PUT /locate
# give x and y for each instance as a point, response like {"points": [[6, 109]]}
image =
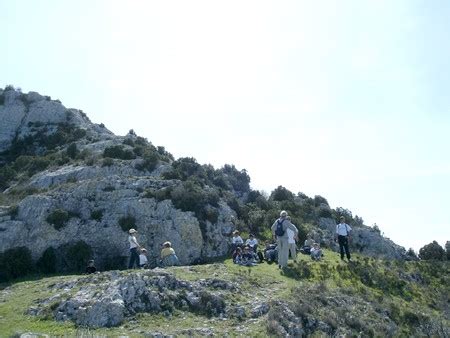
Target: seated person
{"points": [[91, 267], [271, 253], [237, 255], [168, 256], [316, 252], [306, 248], [248, 257], [236, 241], [252, 242], [143, 261]]}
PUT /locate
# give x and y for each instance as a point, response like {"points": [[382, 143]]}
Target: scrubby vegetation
{"points": [[127, 222], [58, 218], [15, 263]]}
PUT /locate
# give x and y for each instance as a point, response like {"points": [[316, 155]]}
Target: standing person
{"points": [[134, 246], [291, 241], [343, 231], [279, 228]]}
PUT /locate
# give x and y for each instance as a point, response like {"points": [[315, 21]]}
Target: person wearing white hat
{"points": [[279, 228], [134, 246]]}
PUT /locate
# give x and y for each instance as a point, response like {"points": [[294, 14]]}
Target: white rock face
{"points": [[117, 197], [19, 111]]}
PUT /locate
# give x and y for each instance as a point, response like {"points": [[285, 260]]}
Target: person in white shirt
{"points": [[143, 261], [252, 242], [236, 241], [134, 246], [343, 231], [291, 242]]}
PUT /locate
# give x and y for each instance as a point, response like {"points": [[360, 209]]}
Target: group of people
{"points": [[138, 254], [286, 234]]}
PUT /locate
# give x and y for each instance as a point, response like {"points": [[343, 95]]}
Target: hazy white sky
{"points": [[345, 99]]}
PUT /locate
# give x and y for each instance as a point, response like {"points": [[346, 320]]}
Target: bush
{"points": [[118, 152], [281, 194], [127, 222], [14, 263], [149, 163], [38, 164], [72, 151], [432, 251], [47, 262], [97, 215], [58, 218], [107, 162], [77, 256]]}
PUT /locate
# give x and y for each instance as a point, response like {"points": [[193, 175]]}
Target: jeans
{"points": [[134, 258], [343, 245]]}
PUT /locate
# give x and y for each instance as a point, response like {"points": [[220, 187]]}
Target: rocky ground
{"points": [[329, 298]]}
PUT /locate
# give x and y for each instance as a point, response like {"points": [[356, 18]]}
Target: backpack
{"points": [[279, 231]]}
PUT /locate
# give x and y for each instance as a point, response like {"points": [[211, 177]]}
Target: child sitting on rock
{"points": [[168, 256], [316, 252], [143, 261], [91, 267]]}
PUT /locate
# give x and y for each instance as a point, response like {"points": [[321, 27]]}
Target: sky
{"points": [[344, 99]]}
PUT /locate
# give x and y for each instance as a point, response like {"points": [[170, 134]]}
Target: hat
{"points": [[283, 213], [132, 231], [167, 243]]}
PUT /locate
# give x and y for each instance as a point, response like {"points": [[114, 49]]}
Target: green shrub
{"points": [[58, 218], [118, 152], [107, 162], [281, 194], [319, 200], [14, 263], [47, 262], [191, 197], [37, 164], [127, 222], [77, 255], [210, 214], [115, 262], [324, 212], [97, 215], [7, 174], [14, 211], [149, 163], [432, 251], [72, 151]]}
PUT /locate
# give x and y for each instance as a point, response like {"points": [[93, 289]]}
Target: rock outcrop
{"points": [[107, 299], [20, 113]]}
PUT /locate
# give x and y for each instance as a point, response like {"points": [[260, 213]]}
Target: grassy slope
{"points": [[267, 283]]}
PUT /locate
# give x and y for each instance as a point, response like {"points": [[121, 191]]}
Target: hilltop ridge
{"points": [[69, 183]]}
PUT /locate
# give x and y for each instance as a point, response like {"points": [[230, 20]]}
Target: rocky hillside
{"points": [[72, 187], [365, 298]]}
